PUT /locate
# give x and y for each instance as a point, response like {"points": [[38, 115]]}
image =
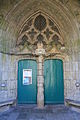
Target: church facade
{"points": [[39, 52]]}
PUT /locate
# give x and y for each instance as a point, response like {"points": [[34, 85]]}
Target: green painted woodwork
{"points": [[53, 82], [27, 93]]}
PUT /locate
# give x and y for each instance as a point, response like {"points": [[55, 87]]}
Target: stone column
{"points": [[40, 51], [40, 83]]}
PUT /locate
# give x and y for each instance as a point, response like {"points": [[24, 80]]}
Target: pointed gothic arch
{"points": [[40, 28]]}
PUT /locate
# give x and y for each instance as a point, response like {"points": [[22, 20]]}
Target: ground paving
{"points": [[24, 112]]}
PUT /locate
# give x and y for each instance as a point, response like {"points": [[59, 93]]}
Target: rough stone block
{"points": [[68, 75], [4, 75], [12, 93], [67, 67], [12, 84], [11, 75], [3, 96], [75, 66]]}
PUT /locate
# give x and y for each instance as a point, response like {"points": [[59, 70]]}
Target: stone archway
{"points": [[41, 36]]}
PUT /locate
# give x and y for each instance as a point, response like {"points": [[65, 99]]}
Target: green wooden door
{"points": [[53, 82], [27, 89]]}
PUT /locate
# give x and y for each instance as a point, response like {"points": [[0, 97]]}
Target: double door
{"points": [[53, 82]]}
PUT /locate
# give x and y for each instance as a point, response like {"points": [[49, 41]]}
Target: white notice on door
{"points": [[27, 76]]}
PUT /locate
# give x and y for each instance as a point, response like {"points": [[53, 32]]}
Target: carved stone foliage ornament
{"points": [[40, 29]]}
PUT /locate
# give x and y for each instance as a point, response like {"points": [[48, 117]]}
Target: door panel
{"points": [[53, 82], [27, 93]]}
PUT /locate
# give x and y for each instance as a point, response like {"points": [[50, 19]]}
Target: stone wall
{"points": [[13, 15], [8, 78], [72, 78]]}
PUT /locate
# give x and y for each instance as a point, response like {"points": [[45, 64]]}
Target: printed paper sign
{"points": [[27, 76]]}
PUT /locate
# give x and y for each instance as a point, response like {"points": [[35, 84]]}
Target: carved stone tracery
{"points": [[40, 29]]}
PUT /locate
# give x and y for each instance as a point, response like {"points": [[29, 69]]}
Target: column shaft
{"points": [[40, 83]]}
